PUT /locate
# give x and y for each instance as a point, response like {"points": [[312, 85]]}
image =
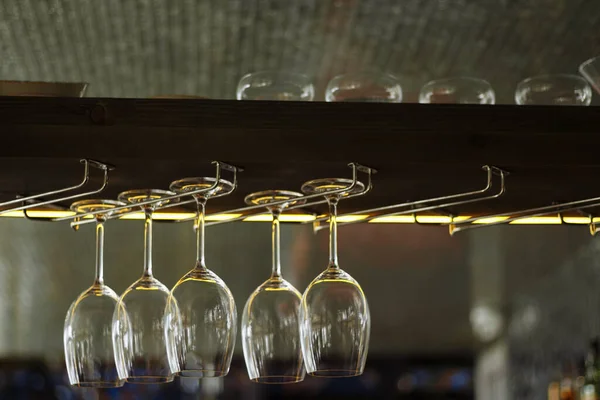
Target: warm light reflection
{"points": [[282, 218], [490, 220], [392, 219], [39, 214], [538, 221]]}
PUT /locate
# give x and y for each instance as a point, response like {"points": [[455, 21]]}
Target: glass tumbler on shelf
{"points": [[139, 327], [590, 69], [458, 90], [335, 318], [560, 89], [367, 86], [275, 85], [271, 321], [87, 337], [202, 316]]}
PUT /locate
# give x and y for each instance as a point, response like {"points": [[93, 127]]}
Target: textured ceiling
{"points": [[141, 48]]}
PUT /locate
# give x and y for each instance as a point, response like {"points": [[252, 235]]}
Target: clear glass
{"points": [[364, 87], [275, 85], [458, 90], [87, 335], [563, 89], [139, 324], [202, 313], [335, 317], [271, 321], [590, 69]]}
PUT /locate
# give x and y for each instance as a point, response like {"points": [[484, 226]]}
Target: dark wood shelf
{"points": [[421, 151]]}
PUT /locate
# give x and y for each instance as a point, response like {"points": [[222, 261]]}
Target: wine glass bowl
{"points": [[368, 86], [334, 313], [139, 324], [270, 321], [202, 314], [275, 85], [560, 89], [590, 69], [89, 352], [457, 90]]}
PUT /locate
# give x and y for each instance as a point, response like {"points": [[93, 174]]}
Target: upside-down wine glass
{"points": [[275, 85], [202, 314], [367, 86], [138, 322], [271, 321], [87, 336], [335, 319], [457, 90], [590, 69], [559, 89]]}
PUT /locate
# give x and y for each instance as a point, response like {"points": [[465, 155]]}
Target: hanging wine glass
{"points": [[275, 85], [590, 69], [369, 86], [87, 337], [335, 319], [138, 321], [560, 89], [270, 322], [202, 314], [458, 90]]}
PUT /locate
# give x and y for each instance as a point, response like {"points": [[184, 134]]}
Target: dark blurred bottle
{"points": [[591, 385]]}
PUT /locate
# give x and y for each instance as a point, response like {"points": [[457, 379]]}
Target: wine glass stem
{"points": [[276, 243], [201, 203], [99, 279], [148, 242], [333, 256]]}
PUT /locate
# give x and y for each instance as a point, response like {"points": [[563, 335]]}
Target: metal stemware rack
{"points": [[491, 190]]}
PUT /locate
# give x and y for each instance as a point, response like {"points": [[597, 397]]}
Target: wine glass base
{"points": [[141, 195], [192, 184], [149, 380], [335, 373], [266, 197], [277, 380], [100, 385], [201, 373], [96, 205], [324, 185]]}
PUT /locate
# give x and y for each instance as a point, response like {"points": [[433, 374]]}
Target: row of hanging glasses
{"points": [[374, 86], [150, 334]]}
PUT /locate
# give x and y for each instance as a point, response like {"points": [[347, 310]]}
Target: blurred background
{"points": [[146, 48], [495, 313]]}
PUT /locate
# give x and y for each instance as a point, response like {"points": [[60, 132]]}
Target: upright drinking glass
{"points": [[561, 89], [590, 69], [87, 335], [364, 87], [275, 85], [335, 319], [139, 319], [202, 314], [458, 90], [271, 322]]}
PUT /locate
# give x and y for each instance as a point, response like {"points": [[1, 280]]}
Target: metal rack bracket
{"points": [[425, 204]]}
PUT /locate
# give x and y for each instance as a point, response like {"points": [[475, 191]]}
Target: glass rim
{"points": [[565, 76], [275, 72], [459, 78], [292, 379], [587, 62], [367, 72]]}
